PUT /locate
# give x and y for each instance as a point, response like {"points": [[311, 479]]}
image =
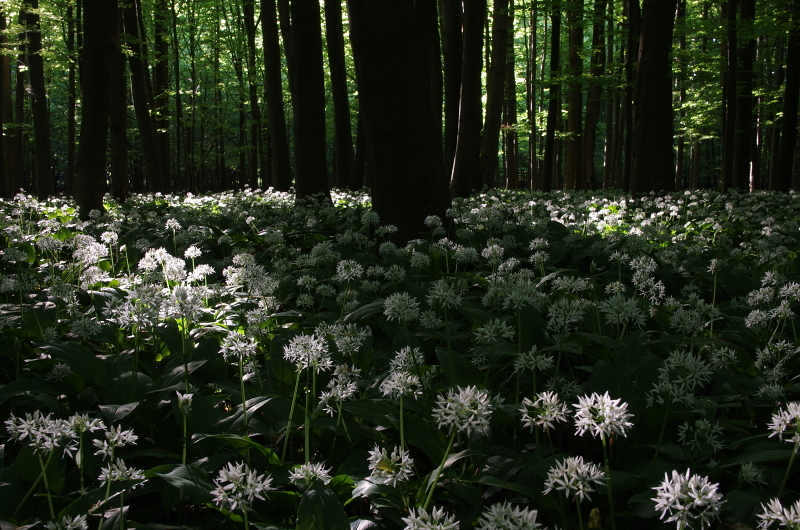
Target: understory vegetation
{"points": [[553, 360]]}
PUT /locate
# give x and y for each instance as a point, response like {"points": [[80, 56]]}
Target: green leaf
{"points": [[321, 510], [774, 455], [238, 443], [27, 386], [82, 360], [365, 311], [457, 369], [114, 413], [192, 481], [375, 411]]}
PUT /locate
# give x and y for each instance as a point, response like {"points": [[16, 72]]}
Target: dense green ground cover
{"points": [[236, 360]]}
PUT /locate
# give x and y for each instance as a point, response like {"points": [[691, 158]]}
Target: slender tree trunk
{"points": [[141, 100], [273, 99], [452, 50], [512, 152], [118, 113], [495, 93], [431, 63], [181, 167], [161, 82], [6, 113], [530, 92], [71, 98], [342, 132], [596, 72], [466, 165], [99, 25], [572, 174], [634, 21], [360, 161], [393, 100], [248, 15], [39, 106], [681, 81], [554, 104], [308, 102], [20, 69], [611, 104], [652, 162], [743, 135], [775, 139], [786, 150], [729, 91]]}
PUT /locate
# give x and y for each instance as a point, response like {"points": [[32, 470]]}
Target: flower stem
{"points": [[46, 485], [660, 439], [788, 469], [291, 416], [244, 397], [439, 470], [608, 487], [33, 486], [580, 516]]}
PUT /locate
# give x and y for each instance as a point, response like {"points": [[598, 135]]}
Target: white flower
{"points": [[601, 415], [42, 433], [237, 486], [58, 372], [401, 306], [436, 520], [114, 438], [401, 384], [390, 468], [308, 351], [774, 512], [308, 473], [573, 476], [544, 411], [76, 523], [237, 346], [493, 331], [504, 516], [467, 409], [533, 360], [184, 402], [118, 471], [686, 498], [787, 423]]}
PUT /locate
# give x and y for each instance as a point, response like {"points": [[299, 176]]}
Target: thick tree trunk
{"points": [[572, 172], [652, 162], [786, 150], [342, 131], [20, 177], [554, 104], [466, 166], [634, 20], [41, 113], [71, 98], [393, 100], [99, 26], [308, 102], [596, 71], [273, 99], [141, 100], [431, 64], [510, 112], [161, 83], [452, 51], [743, 137], [495, 93]]}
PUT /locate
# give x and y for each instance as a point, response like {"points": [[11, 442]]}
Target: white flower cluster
{"points": [[504, 516], [574, 477], [602, 416], [688, 498], [306, 474], [786, 424], [542, 412], [237, 486], [436, 520], [464, 409], [42, 432], [390, 467], [774, 512], [308, 351]]}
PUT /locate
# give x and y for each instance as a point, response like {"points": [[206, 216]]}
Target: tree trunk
{"points": [[39, 107], [71, 98], [431, 63], [273, 99], [572, 172], [554, 104], [6, 114], [729, 91], [681, 82], [634, 21], [248, 15], [743, 137], [596, 72], [791, 94], [20, 180], [161, 83], [652, 163], [141, 100], [512, 150], [466, 166], [452, 51], [495, 93], [99, 26], [308, 102], [530, 93], [342, 132], [393, 101], [118, 113]]}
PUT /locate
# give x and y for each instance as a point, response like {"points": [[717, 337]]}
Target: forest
{"points": [[197, 95]]}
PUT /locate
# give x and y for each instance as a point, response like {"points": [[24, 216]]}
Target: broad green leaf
{"points": [[192, 481], [82, 360], [458, 370], [320, 509]]}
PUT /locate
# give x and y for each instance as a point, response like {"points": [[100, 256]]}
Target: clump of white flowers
{"points": [[464, 409], [688, 498]]}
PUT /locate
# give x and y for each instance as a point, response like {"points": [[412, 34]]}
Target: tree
{"points": [[652, 166], [393, 102], [743, 136], [466, 175], [554, 101], [574, 95], [38, 92], [308, 101], [790, 102], [99, 25], [342, 137], [495, 92]]}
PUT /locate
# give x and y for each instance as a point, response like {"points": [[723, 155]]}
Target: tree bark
{"points": [[495, 93], [466, 175], [342, 131], [308, 102], [6, 114], [248, 16], [791, 95], [41, 113], [71, 98], [118, 113], [652, 163], [161, 83], [273, 99], [510, 112], [729, 94], [99, 25], [634, 20], [743, 137], [393, 97]]}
